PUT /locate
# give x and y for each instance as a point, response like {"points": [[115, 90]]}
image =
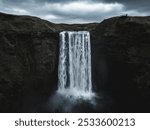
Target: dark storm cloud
{"points": [[72, 11], [142, 5]]}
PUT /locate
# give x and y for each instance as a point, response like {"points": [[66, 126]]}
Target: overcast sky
{"points": [[75, 11]]}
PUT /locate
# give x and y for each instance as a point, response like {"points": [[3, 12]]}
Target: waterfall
{"points": [[74, 70]]}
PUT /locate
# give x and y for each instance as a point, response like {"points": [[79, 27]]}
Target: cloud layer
{"points": [[75, 11]]}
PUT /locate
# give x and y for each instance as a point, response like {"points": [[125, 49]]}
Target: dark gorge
{"points": [[29, 58]]}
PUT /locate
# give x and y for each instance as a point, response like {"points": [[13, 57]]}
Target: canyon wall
{"points": [[29, 50]]}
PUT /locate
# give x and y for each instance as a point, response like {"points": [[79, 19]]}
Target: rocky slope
{"points": [[29, 49]]}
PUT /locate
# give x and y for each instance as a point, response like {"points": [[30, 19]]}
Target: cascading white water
{"points": [[74, 71]]}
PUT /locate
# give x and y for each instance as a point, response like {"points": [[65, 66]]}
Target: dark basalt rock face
{"points": [[28, 53], [121, 64], [29, 50]]}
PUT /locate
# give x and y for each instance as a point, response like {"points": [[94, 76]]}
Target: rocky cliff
{"points": [[29, 50], [121, 64]]}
